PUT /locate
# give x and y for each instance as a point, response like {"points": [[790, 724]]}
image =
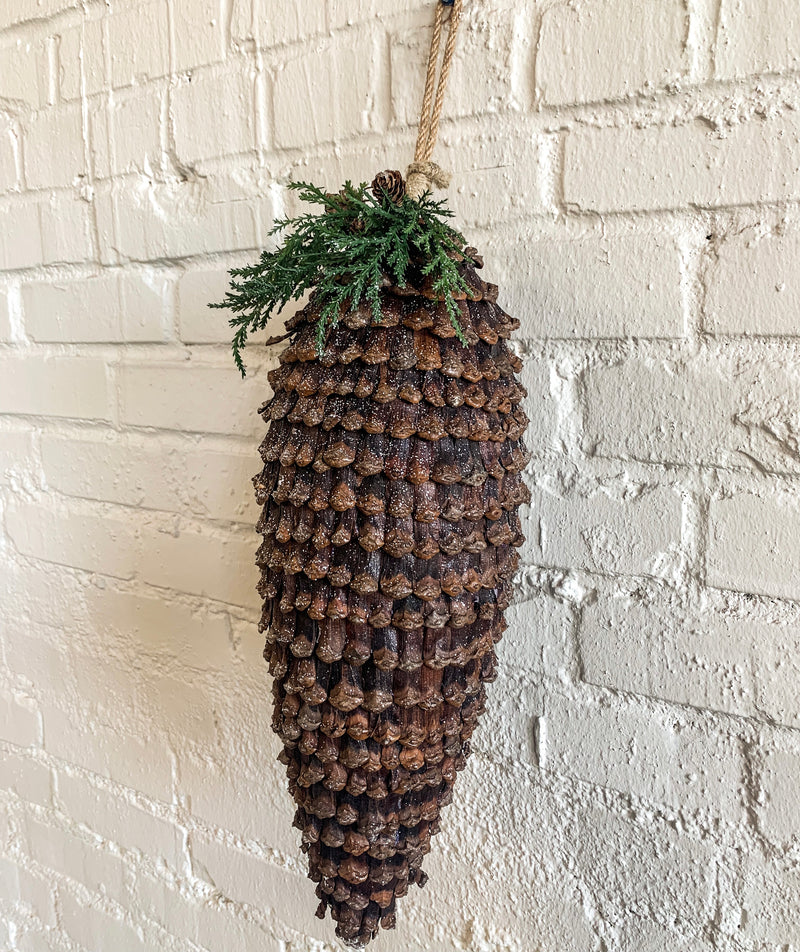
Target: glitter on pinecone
{"points": [[389, 183], [390, 492]]}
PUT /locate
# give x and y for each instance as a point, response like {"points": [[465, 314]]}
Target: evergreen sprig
{"points": [[346, 252]]}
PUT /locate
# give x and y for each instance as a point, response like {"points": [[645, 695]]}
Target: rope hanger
{"points": [[423, 174]]}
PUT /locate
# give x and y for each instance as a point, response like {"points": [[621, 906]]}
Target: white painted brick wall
{"points": [[631, 170]]}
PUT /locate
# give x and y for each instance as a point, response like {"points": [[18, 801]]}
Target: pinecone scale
{"points": [[390, 490]]}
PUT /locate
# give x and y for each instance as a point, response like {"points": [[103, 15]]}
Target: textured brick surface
{"points": [[631, 171], [307, 112], [780, 781], [658, 758], [705, 659], [229, 97], [573, 65], [757, 36], [120, 307], [715, 410], [624, 169], [594, 286], [753, 544], [54, 386], [754, 287]]}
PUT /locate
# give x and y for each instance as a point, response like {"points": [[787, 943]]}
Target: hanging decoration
{"points": [[390, 490]]}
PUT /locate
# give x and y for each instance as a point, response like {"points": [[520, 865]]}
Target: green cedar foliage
{"points": [[347, 252]]}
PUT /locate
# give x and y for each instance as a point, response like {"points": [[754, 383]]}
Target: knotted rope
{"points": [[423, 175]]}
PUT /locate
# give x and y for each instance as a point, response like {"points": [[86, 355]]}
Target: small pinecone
{"points": [[341, 201], [389, 183], [391, 486]]}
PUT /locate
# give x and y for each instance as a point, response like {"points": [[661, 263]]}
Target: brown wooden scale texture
{"points": [[390, 491]]}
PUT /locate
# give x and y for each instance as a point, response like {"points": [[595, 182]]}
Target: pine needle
{"points": [[345, 252]]}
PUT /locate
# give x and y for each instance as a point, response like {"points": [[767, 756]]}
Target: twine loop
{"points": [[423, 175]]}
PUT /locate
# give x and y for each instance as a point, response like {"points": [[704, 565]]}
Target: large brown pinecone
{"points": [[391, 484]]}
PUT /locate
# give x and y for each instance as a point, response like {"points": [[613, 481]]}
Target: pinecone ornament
{"points": [[390, 491], [389, 184]]}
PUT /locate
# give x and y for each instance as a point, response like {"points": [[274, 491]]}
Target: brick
{"points": [[21, 236], [242, 877], [752, 544], [779, 779], [166, 396], [273, 23], [198, 28], [229, 97], [260, 884], [489, 185], [93, 928], [26, 10], [133, 120], [592, 286], [640, 935], [18, 885], [604, 530], [94, 542], [749, 39], [191, 560], [27, 778], [188, 559], [249, 650], [197, 322], [38, 656], [714, 410], [770, 913], [659, 756], [485, 48], [509, 727], [71, 855], [49, 941], [26, 581], [111, 307], [116, 820], [646, 869], [251, 802], [45, 165], [752, 287], [184, 478], [572, 61], [182, 706], [131, 60], [16, 453], [80, 60], [307, 111], [537, 639], [146, 221], [707, 660], [200, 324], [213, 925], [24, 68], [357, 11], [161, 629], [776, 671], [626, 169], [20, 723], [66, 230], [9, 179], [129, 755], [541, 406], [5, 329]]}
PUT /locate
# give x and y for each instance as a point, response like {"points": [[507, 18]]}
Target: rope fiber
{"points": [[423, 174]]}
